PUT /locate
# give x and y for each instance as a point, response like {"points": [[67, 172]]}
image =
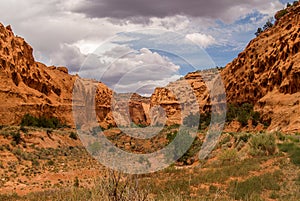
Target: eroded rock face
{"points": [[27, 86], [266, 74], [190, 94]]}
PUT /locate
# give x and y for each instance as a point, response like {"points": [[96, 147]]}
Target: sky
{"points": [[137, 44]]}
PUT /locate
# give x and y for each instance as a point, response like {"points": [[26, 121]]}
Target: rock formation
{"points": [[27, 86], [266, 74]]}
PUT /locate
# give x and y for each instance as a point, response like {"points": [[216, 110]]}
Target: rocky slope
{"points": [[27, 86], [266, 74]]}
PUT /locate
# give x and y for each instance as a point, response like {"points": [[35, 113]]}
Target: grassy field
{"points": [[43, 164]]}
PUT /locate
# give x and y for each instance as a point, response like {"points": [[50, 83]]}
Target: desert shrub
{"points": [[293, 150], [121, 187], [43, 122], [243, 117], [224, 140], [23, 129], [280, 136], [192, 120], [213, 189], [17, 152], [183, 139], [268, 24], [281, 13], [243, 137], [205, 119], [228, 155], [13, 143], [242, 113], [35, 162], [255, 118], [232, 111], [73, 136], [191, 152], [170, 136], [259, 31], [262, 144], [94, 148], [201, 121], [29, 120], [16, 136], [50, 163], [76, 182]]}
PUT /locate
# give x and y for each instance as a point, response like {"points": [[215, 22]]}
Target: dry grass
{"points": [[231, 173]]}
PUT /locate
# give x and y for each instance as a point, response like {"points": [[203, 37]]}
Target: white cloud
{"points": [[203, 40], [124, 69]]}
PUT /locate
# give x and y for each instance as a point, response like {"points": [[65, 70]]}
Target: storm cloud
{"points": [[134, 9], [64, 33]]}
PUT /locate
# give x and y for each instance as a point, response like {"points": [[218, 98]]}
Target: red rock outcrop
{"points": [[27, 86], [266, 74]]}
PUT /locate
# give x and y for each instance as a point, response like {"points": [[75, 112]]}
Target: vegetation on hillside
{"points": [[242, 113], [43, 122], [233, 170], [277, 17]]}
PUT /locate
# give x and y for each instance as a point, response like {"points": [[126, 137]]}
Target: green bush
{"points": [[262, 144], [50, 163], [171, 136], [293, 150], [268, 24], [191, 152], [192, 120], [35, 162], [201, 121], [16, 137], [281, 13], [243, 118], [76, 182], [228, 155], [43, 122], [94, 148], [259, 31], [73, 136], [242, 113]]}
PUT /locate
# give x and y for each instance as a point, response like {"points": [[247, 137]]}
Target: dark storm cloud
{"points": [[159, 8]]}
